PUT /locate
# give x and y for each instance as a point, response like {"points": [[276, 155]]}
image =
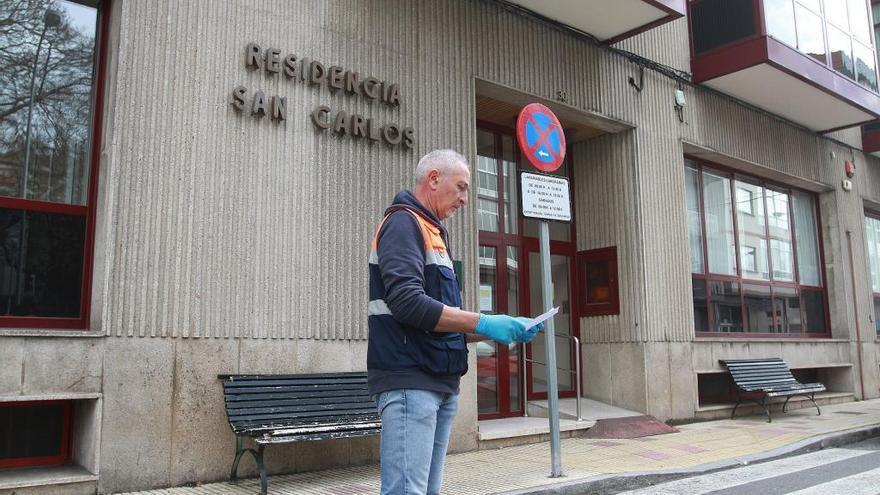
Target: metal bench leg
{"points": [[766, 407], [239, 451], [258, 458], [786, 402], [738, 402], [264, 478], [813, 400]]}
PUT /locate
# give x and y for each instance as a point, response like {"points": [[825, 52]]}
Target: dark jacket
{"points": [[411, 278]]}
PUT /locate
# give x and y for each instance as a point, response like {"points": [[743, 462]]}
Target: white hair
{"points": [[440, 160]]}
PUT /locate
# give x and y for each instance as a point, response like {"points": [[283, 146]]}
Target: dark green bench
{"points": [[765, 379], [296, 408]]}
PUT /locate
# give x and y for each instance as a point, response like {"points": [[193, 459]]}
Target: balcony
{"points": [[794, 58], [610, 24]]}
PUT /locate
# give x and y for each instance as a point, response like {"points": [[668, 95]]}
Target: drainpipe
{"points": [[852, 272]]}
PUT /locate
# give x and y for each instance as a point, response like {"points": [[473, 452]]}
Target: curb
{"points": [[610, 483]]}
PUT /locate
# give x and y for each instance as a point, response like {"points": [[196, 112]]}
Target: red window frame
{"points": [[88, 211], [875, 296], [63, 456], [706, 277], [607, 255]]}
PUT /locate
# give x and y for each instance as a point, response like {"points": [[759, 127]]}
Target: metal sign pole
{"points": [[541, 139], [550, 338]]}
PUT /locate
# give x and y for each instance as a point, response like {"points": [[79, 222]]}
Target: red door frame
{"points": [[524, 246], [500, 241]]}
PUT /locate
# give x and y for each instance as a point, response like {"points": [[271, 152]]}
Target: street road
{"points": [[850, 470]]}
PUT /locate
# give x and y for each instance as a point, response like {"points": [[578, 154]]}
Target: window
{"points": [[763, 273], [598, 273], [34, 433], [872, 235], [745, 200], [835, 32], [750, 259], [48, 159]]}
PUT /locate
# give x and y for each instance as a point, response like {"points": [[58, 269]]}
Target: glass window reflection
{"points": [[859, 20], [752, 231], [508, 164], [759, 310], [695, 227], [835, 32], [726, 306], [487, 182], [865, 64], [779, 17], [806, 238], [811, 39], [840, 49], [719, 223], [47, 55], [701, 306], [777, 235], [835, 12]]}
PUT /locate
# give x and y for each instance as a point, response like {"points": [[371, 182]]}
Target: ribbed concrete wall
{"points": [[605, 185], [255, 233], [221, 225]]}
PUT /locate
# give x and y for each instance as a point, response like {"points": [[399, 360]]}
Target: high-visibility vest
{"points": [[396, 346]]}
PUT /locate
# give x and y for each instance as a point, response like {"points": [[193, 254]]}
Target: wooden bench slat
{"points": [[315, 409], [292, 388], [257, 376], [332, 385], [317, 436], [301, 414], [297, 401], [332, 395]]}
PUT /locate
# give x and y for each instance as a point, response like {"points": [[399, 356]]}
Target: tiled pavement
{"points": [[527, 466]]}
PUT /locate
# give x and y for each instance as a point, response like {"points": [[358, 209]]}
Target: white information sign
{"points": [[546, 197], [486, 298]]}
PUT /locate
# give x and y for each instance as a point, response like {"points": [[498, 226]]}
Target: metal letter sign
{"points": [[540, 137]]}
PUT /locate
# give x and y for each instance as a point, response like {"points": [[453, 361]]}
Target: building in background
{"points": [[190, 188]]}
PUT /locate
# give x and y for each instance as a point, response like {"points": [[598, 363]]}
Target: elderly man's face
{"points": [[450, 190]]}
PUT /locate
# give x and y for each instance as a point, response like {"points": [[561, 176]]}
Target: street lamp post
{"points": [[51, 19]]}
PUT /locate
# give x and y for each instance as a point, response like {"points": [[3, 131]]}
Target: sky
{"points": [[81, 17]]}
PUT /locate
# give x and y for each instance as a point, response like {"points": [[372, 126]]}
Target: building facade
{"points": [[189, 189]]}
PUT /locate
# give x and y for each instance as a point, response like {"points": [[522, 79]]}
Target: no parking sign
{"points": [[540, 137], [545, 197]]}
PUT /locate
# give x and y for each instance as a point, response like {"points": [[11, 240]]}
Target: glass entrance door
{"points": [[510, 279], [564, 326]]}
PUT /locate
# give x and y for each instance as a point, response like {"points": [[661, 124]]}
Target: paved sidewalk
{"points": [[518, 469]]}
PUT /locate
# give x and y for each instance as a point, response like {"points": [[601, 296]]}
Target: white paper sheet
{"points": [[544, 317]]}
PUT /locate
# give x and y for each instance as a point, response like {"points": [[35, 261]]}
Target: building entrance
{"points": [[510, 280]]}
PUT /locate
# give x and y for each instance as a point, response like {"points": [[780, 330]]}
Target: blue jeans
{"points": [[415, 434]]}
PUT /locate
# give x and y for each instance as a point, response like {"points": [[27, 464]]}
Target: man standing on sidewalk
{"points": [[417, 348]]}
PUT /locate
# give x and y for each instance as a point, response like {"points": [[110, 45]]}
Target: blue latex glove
{"points": [[500, 328], [530, 332]]}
